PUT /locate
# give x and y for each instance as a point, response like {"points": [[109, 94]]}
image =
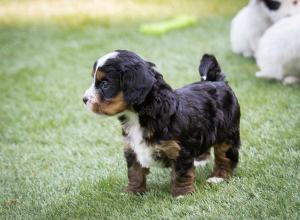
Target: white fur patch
{"points": [[90, 93], [200, 163], [289, 80], [247, 27], [102, 60], [278, 53], [215, 180], [135, 139], [251, 22]]}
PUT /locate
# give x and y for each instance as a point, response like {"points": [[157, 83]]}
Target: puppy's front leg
{"points": [[183, 175], [136, 173]]}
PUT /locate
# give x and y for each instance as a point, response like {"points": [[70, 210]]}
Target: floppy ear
{"points": [[137, 80]]}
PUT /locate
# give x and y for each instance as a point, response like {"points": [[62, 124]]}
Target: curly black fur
{"points": [[198, 115]]}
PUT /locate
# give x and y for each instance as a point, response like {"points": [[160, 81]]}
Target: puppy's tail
{"points": [[209, 69]]}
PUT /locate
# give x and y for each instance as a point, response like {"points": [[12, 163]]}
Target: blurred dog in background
{"points": [[253, 20], [269, 30], [278, 53]]}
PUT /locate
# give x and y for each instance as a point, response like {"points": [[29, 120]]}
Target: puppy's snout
{"points": [[85, 99]]}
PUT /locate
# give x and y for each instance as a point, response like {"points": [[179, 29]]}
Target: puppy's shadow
{"points": [[95, 199], [105, 196]]}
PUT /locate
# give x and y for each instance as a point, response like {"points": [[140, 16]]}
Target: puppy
{"points": [[247, 27], [252, 21], [167, 127], [278, 54]]}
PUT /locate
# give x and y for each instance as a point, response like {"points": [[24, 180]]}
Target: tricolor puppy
{"points": [[163, 126]]}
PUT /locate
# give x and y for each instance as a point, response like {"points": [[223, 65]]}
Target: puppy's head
{"points": [[120, 80], [279, 9]]}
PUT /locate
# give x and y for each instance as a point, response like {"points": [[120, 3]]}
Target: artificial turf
{"points": [[58, 161]]}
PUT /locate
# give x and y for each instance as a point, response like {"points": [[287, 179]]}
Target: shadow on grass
{"points": [[104, 199]]}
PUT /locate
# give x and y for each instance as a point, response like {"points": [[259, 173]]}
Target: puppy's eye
{"points": [[104, 84]]}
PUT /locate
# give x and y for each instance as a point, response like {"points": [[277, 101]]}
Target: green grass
{"points": [[58, 161]]}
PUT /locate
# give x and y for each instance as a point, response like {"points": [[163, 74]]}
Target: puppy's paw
{"points": [[179, 197], [137, 191], [180, 192], [289, 80], [215, 180], [271, 76]]}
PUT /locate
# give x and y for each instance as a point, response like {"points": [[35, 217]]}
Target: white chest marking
{"points": [[135, 139]]}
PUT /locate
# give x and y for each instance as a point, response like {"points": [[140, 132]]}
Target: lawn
{"points": [[59, 161]]}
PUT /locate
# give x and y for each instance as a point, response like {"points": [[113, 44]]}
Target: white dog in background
{"points": [[247, 27], [269, 30], [252, 21], [278, 53]]}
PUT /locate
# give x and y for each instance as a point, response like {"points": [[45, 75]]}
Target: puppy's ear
{"points": [[136, 81]]}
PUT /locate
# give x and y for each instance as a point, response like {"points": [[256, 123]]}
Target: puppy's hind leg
{"points": [[226, 159]]}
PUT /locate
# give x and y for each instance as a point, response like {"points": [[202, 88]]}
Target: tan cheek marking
{"points": [[99, 75], [113, 106]]}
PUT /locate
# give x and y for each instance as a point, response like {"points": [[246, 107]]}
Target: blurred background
{"points": [[59, 161], [106, 13]]}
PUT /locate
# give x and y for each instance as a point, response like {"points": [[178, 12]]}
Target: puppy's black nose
{"points": [[85, 99]]}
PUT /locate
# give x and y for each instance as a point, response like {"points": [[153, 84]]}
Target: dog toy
{"points": [[161, 28]]}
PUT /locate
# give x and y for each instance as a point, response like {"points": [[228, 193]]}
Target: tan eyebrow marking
{"points": [[99, 75]]}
